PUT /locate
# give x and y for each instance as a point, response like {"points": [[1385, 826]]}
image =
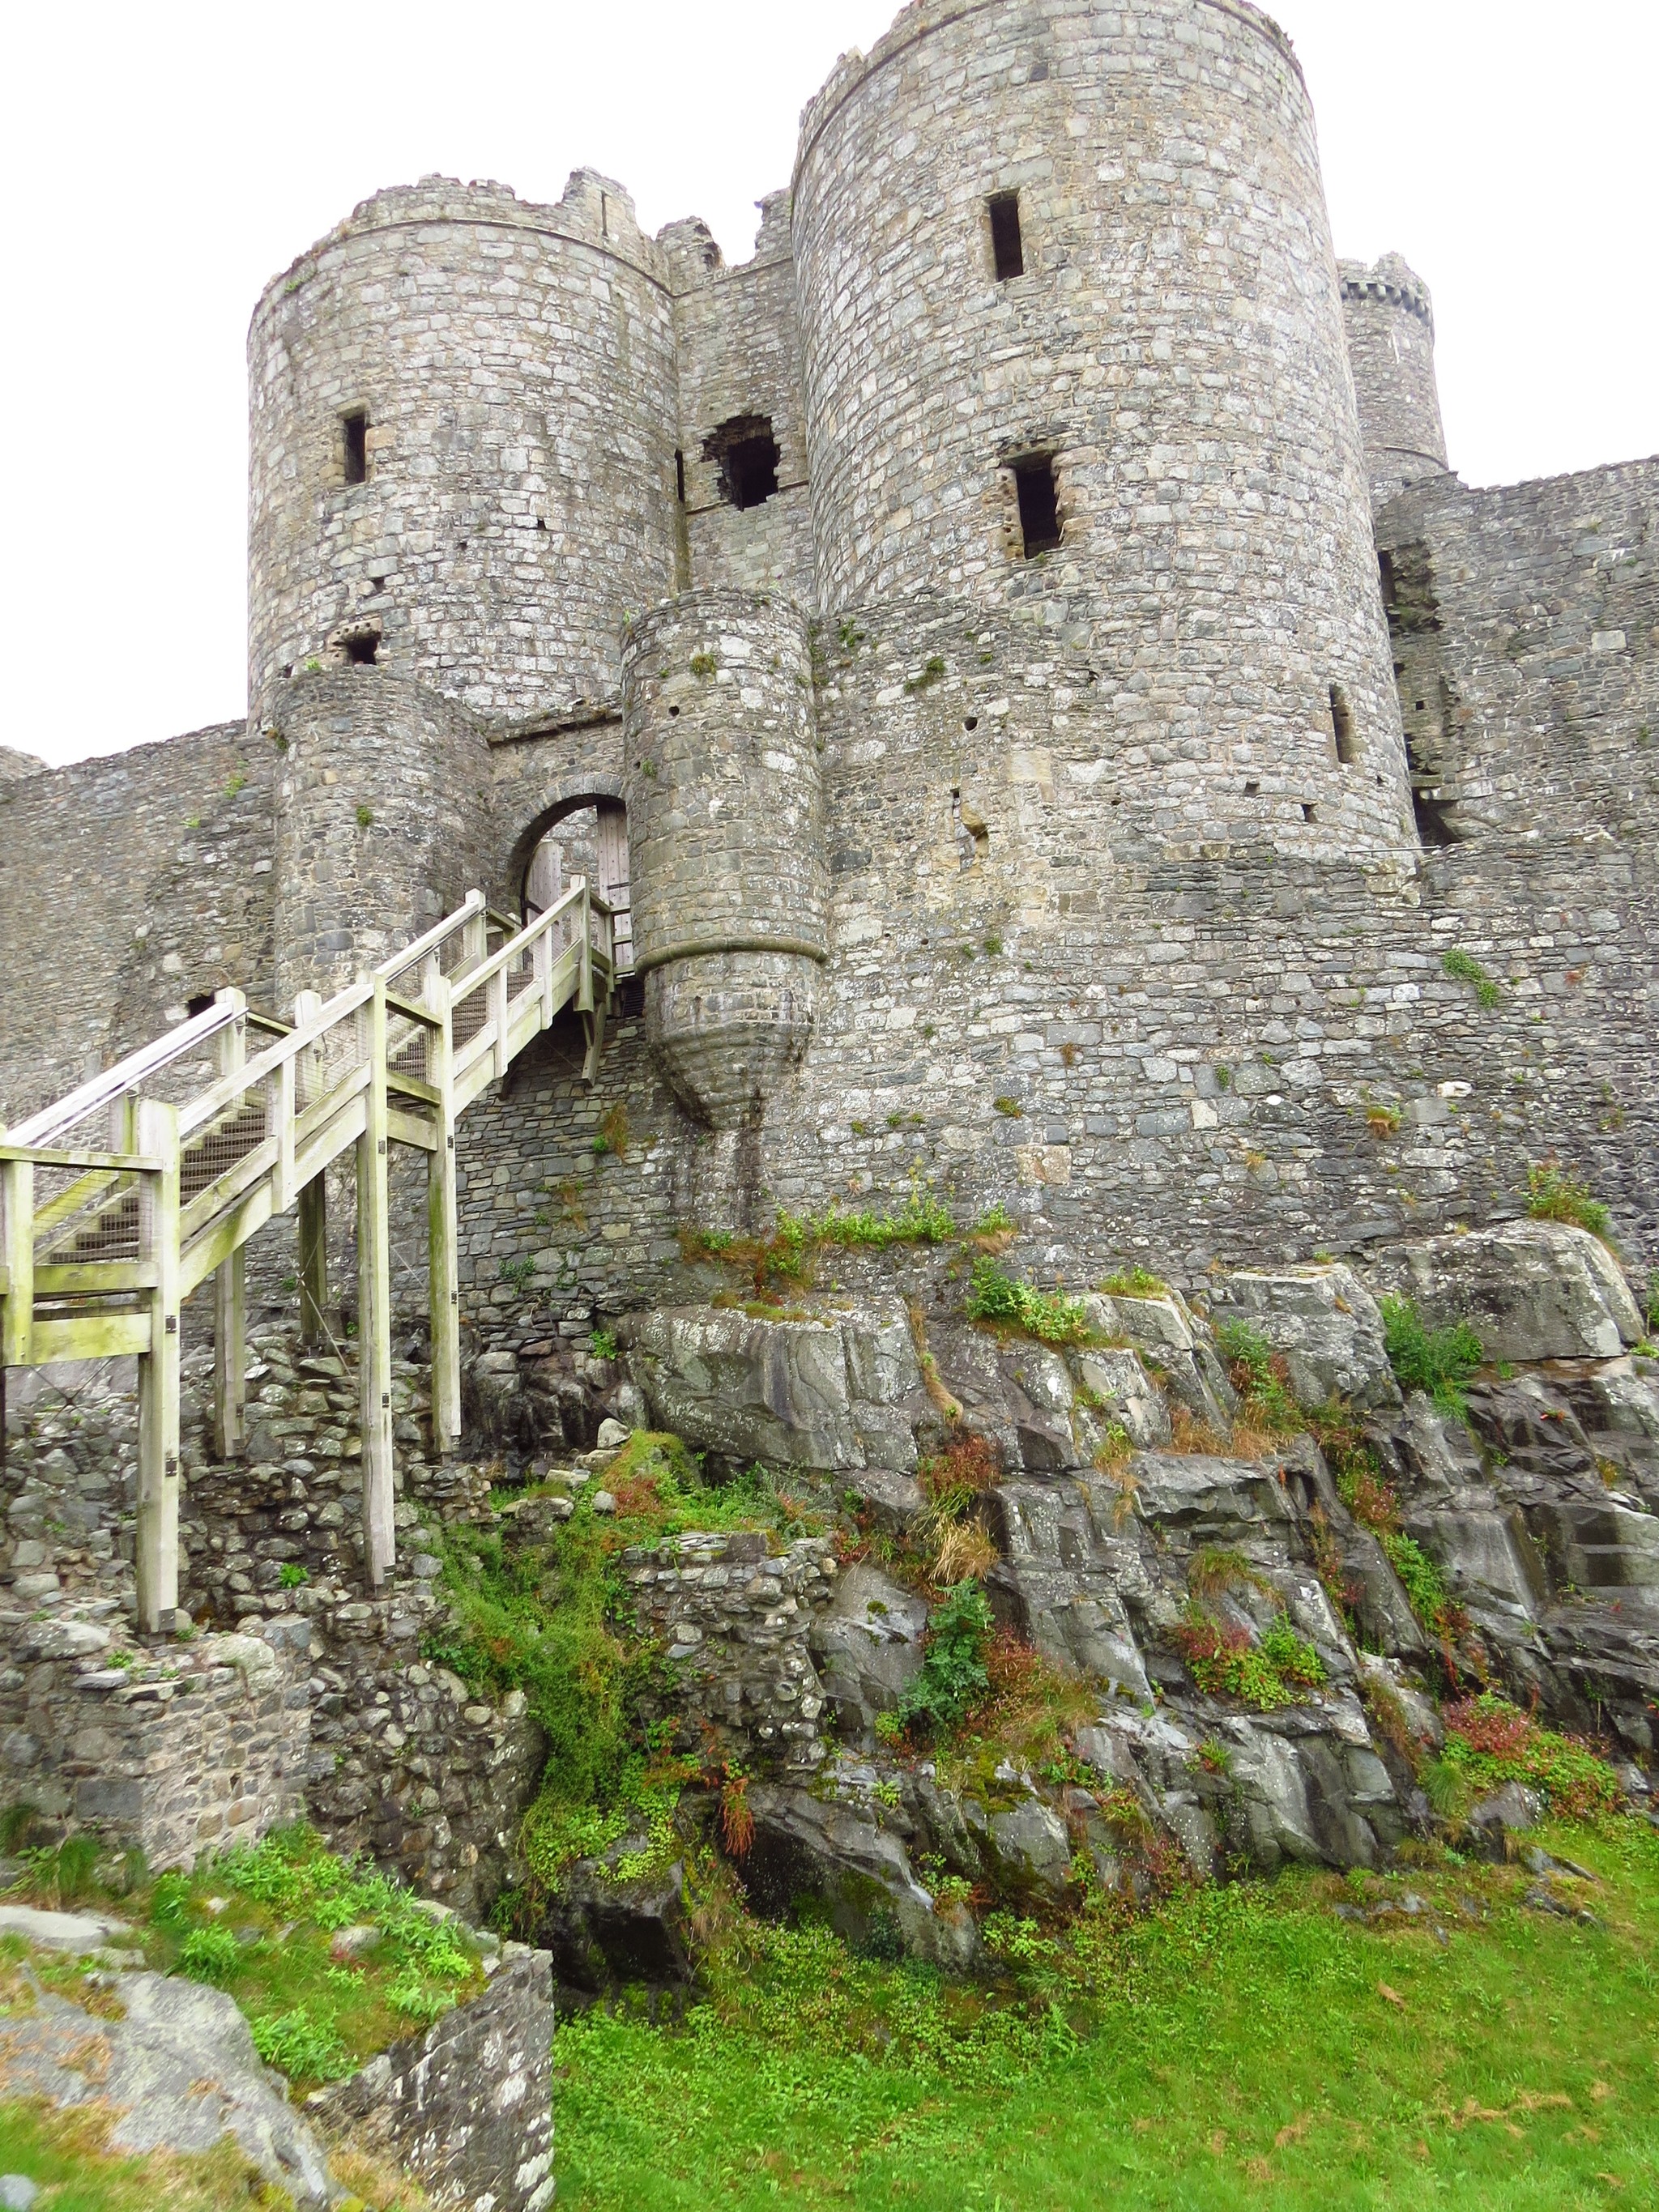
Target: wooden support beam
{"points": [[374, 1298], [158, 1374], [313, 1218], [230, 1284], [444, 1294]]}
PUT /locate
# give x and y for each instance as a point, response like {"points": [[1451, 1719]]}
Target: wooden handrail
{"points": [[126, 1075]]}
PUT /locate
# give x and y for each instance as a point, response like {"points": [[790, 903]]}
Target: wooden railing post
{"points": [[444, 1293], [374, 1297], [157, 1516], [17, 1255], [541, 958], [313, 1225], [230, 1284]]}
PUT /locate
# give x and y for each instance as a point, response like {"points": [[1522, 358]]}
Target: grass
{"points": [[1242, 2051], [259, 1923], [66, 2155], [1466, 969]]}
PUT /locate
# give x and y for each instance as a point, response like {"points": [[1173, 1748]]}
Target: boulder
{"points": [[1324, 1322], [77, 1932], [1531, 1290], [868, 1647], [179, 2071], [1070, 1552], [1131, 1399], [1176, 1347], [830, 1394], [607, 1932], [1508, 1811], [818, 1846]]}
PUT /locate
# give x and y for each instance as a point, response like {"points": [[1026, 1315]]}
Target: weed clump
{"points": [[1224, 1662], [1048, 1316], [1261, 1379], [954, 1677], [1439, 1361], [1466, 969], [1490, 1741], [1135, 1283], [1553, 1194]]}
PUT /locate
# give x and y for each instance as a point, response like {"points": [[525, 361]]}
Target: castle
{"points": [[1014, 651]]}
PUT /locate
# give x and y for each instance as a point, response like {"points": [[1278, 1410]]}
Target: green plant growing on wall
{"points": [[1466, 969], [602, 1343], [364, 817], [931, 670], [704, 665], [1555, 1195], [1050, 1316], [520, 1272], [1135, 1283], [1012, 1106]]}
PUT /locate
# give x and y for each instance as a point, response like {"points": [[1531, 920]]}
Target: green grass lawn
{"points": [[1247, 2047]]}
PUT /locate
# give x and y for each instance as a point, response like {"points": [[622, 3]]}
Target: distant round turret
{"points": [[1072, 345], [1390, 323], [726, 845], [462, 446]]}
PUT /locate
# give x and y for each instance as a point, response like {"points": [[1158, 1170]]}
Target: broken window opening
{"points": [[361, 652], [1435, 819], [745, 452], [1343, 734], [356, 427], [1007, 248], [1039, 504]]}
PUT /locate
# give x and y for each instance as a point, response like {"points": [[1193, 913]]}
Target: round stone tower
{"points": [[462, 444], [1390, 322], [1073, 347], [382, 816], [726, 845]]}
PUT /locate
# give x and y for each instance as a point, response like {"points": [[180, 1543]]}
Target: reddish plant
{"points": [[1500, 1731], [737, 1819], [969, 1463]]}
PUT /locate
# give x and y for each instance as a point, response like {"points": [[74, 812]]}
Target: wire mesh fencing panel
{"points": [[86, 1214]]}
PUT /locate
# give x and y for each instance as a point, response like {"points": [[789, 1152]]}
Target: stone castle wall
{"points": [[1388, 317]]}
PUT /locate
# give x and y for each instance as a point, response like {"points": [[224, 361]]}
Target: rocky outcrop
{"points": [[178, 2071], [1531, 1290], [1325, 1323], [835, 1392]]}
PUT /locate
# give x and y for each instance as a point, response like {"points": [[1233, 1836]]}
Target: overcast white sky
{"points": [[160, 162]]}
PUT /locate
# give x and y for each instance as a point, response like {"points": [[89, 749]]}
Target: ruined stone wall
{"points": [[516, 364], [181, 1755], [14, 764], [739, 355], [1526, 622], [128, 886]]}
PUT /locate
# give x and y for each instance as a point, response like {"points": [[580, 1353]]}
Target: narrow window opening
{"points": [[1039, 504], [1434, 816], [746, 453], [679, 475], [1342, 729], [203, 1003], [1307, 811], [1007, 248], [1251, 790], [361, 652], [356, 427]]}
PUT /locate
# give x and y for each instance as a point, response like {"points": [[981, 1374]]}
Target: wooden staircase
{"points": [[122, 1199]]}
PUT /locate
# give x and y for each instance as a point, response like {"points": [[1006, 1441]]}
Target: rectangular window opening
{"points": [[356, 427], [360, 652], [1342, 729], [1006, 247], [1039, 504], [679, 475]]}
